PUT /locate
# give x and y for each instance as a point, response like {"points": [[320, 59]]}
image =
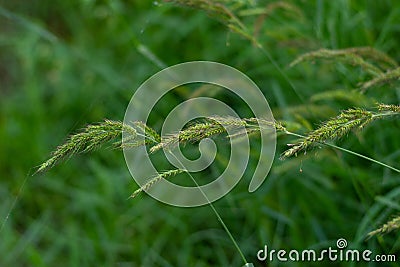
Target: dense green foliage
{"points": [[66, 64]]}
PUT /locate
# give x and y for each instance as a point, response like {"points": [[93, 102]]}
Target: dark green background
{"points": [[64, 64]]}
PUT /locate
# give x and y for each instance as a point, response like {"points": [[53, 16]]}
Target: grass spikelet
{"points": [[220, 12], [148, 132], [254, 125], [151, 137], [213, 8], [391, 225], [228, 121], [388, 77], [337, 127], [267, 123], [381, 58], [332, 129], [191, 134], [392, 108], [233, 123], [346, 56], [156, 179], [213, 125], [90, 138]]}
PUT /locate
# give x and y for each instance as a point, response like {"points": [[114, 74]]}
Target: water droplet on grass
{"points": [[144, 27]]}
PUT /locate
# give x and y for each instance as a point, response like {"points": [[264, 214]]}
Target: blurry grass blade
{"points": [[147, 53], [263, 13], [351, 96], [305, 110], [271, 7], [28, 24]]}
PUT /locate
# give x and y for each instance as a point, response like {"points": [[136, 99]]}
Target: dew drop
{"points": [[144, 27], [227, 41]]}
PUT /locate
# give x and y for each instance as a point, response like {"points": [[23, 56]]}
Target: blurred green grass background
{"points": [[68, 63]]}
